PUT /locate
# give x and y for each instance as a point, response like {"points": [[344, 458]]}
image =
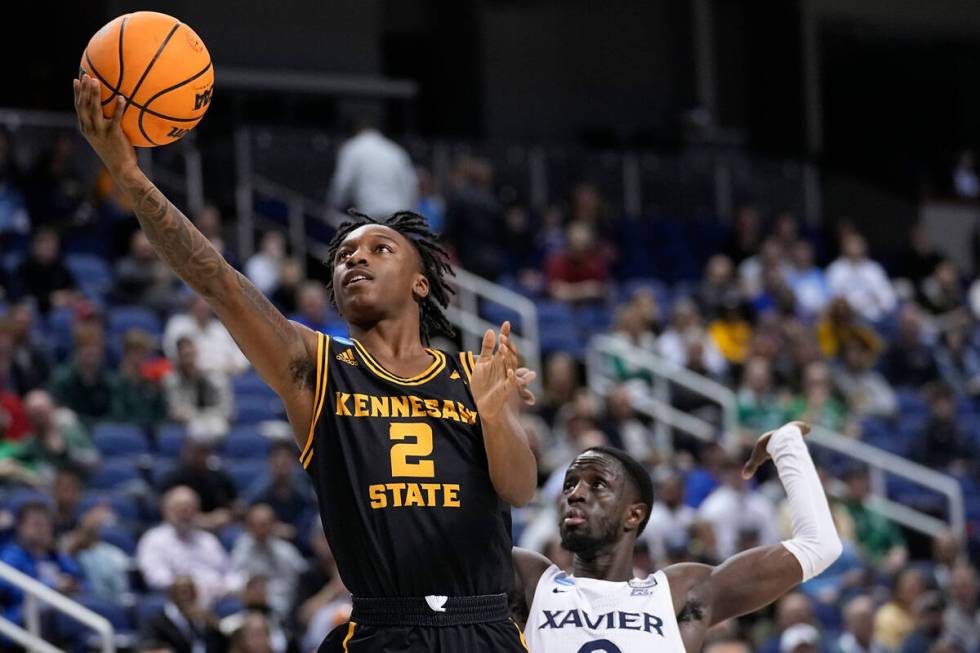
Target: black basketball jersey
{"points": [[402, 479]]}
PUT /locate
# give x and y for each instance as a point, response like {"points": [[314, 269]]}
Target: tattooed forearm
{"points": [[179, 243]]}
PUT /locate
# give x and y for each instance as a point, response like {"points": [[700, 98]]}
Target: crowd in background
{"points": [[803, 324]]}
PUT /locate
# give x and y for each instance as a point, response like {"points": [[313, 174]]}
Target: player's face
{"points": [[376, 275], [594, 503]]}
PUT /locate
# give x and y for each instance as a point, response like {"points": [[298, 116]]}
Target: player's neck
{"points": [[392, 342], [614, 564]]}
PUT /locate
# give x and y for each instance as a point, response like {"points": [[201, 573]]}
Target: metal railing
{"points": [[34, 592], [879, 462]]}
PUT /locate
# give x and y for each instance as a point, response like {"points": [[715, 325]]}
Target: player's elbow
{"points": [[518, 495]]}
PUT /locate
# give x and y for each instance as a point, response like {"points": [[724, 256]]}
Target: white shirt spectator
{"points": [[666, 523], [277, 560], [673, 345], [216, 349], [374, 175], [865, 286], [162, 555], [730, 512]]}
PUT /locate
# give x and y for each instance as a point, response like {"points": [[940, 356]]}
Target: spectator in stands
{"points": [[630, 328], [57, 439], [717, 283], [801, 638], [947, 554], [431, 204], [313, 310], [33, 553], [623, 427], [197, 397], [817, 404], [745, 239], [322, 602], [13, 418], [66, 493], [136, 399], [738, 513], [56, 195], [255, 604], [290, 278], [686, 329], [839, 326], [731, 332], [751, 271], [878, 538], [183, 623], [760, 408], [217, 351], [141, 278], [962, 617], [928, 610], [860, 280], [179, 547], [42, 276], [264, 266], [284, 488], [727, 645], [254, 636], [578, 275], [866, 390], [30, 358], [669, 515], [808, 282], [942, 291], [217, 499], [258, 552], [560, 382], [858, 635], [909, 360], [473, 218], [85, 384], [792, 610], [517, 237], [943, 443], [965, 181], [104, 566], [957, 360], [15, 222], [373, 174], [920, 258]]}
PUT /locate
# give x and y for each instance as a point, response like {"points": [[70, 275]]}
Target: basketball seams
{"points": [[166, 40], [145, 108], [118, 87]]}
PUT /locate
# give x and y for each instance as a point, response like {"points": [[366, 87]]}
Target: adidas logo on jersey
{"points": [[454, 375], [347, 357]]}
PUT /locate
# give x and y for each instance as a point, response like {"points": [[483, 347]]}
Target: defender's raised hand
{"points": [[760, 454], [104, 134]]}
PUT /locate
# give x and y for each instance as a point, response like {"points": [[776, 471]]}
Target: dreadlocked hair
{"points": [[435, 265]]}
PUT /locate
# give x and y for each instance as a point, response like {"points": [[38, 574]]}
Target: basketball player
{"points": [[416, 454], [601, 608]]}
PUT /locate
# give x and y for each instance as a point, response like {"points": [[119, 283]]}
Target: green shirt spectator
{"points": [[85, 385], [135, 398]]}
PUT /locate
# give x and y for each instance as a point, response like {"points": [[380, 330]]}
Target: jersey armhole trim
{"points": [[322, 371], [520, 633], [466, 362], [351, 627]]}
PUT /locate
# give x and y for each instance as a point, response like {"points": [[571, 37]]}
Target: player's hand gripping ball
{"points": [[162, 70]]}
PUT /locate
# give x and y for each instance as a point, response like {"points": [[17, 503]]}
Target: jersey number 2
{"points": [[422, 446]]}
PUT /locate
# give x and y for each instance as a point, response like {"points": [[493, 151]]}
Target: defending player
{"points": [[601, 608], [416, 455]]}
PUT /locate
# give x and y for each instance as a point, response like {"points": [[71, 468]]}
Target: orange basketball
{"points": [[162, 69]]}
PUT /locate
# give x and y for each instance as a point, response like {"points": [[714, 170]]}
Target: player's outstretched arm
{"points": [[528, 567], [498, 389], [276, 347], [746, 582]]}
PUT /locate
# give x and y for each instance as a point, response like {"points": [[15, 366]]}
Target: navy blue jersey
{"points": [[400, 471]]}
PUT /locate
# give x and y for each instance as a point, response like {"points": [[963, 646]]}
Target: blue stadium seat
{"points": [[170, 439], [92, 273], [124, 318], [117, 615], [245, 442], [123, 505], [57, 327], [228, 606], [252, 408], [911, 403], [160, 469], [121, 537], [250, 383], [20, 496], [244, 472], [114, 473], [148, 607], [114, 439], [498, 313], [229, 535]]}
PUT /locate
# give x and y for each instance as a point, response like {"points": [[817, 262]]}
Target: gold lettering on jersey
{"points": [[399, 407], [379, 406], [360, 405], [411, 495], [342, 408]]}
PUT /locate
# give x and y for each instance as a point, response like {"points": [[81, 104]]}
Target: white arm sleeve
{"points": [[815, 541]]}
